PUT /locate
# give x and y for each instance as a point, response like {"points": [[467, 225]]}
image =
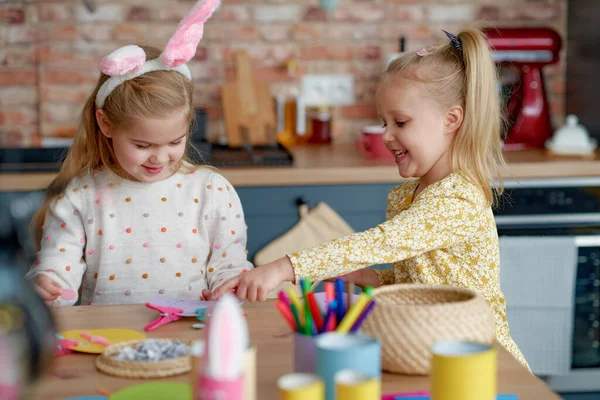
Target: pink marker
{"points": [[96, 339]]}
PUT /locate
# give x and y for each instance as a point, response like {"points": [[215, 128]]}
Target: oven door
{"points": [[583, 355]]}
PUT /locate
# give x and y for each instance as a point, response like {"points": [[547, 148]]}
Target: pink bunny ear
{"points": [[182, 45], [123, 61]]}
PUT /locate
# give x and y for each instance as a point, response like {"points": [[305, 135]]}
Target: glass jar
{"points": [[320, 125]]}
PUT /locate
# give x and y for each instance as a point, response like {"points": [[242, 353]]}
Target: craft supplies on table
{"points": [[95, 341], [463, 370], [351, 385], [154, 391], [338, 352], [226, 342], [317, 313], [299, 386], [410, 318], [145, 359]]}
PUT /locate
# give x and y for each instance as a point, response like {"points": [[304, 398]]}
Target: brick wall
{"points": [[49, 49]]}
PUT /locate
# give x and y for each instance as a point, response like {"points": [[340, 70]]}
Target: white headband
{"points": [[129, 62]]}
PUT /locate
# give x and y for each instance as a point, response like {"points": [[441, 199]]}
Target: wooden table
{"points": [[340, 164], [74, 375]]}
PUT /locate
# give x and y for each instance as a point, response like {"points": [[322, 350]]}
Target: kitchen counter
{"points": [[340, 164]]}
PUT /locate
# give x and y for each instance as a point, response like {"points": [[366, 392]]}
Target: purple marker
{"points": [[361, 318], [330, 314]]}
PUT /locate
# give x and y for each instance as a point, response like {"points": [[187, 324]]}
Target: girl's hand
{"points": [[47, 289], [361, 278], [256, 284]]}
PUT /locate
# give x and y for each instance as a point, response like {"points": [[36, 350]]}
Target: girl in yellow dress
{"points": [[441, 110]]}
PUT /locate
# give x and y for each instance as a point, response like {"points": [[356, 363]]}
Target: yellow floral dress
{"points": [[446, 235]]}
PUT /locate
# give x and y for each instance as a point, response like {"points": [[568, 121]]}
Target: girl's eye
{"points": [[142, 146], [384, 125], [175, 143], [400, 124]]}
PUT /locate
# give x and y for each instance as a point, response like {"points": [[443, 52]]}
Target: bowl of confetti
{"points": [[145, 359]]}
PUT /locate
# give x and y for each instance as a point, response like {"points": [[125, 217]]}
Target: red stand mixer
{"points": [[528, 50]]}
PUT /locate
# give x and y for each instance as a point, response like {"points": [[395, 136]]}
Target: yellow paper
{"points": [[351, 385], [301, 387], [465, 371], [113, 335]]}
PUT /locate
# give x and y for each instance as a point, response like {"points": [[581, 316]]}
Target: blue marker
{"points": [[339, 296]]}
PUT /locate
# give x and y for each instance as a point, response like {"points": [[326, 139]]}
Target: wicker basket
{"points": [[108, 364], [410, 318]]}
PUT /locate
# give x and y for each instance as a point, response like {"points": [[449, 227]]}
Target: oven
{"points": [[553, 292]]}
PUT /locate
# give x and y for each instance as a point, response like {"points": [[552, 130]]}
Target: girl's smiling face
{"points": [[418, 131], [148, 150]]}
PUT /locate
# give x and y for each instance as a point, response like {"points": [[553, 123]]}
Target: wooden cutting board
{"points": [[248, 107]]}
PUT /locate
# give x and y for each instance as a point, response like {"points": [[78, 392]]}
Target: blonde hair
{"points": [[151, 95], [468, 78]]}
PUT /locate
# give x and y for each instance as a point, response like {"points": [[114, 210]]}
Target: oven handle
{"points": [[588, 218]]}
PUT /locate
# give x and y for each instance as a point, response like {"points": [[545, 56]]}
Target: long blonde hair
{"points": [[150, 95], [468, 78]]}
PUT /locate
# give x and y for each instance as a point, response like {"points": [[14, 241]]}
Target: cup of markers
{"points": [[310, 314]]}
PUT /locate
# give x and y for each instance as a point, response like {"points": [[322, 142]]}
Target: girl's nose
{"points": [[387, 136]]}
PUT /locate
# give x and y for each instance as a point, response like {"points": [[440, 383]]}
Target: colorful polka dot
{"points": [[95, 276], [85, 187], [97, 201], [110, 185], [201, 272], [178, 274], [68, 268], [211, 270], [194, 260], [112, 247], [61, 197], [128, 230], [62, 249], [224, 254], [75, 190], [228, 188], [223, 218], [112, 277], [146, 215], [230, 205], [220, 189], [164, 199], [37, 262], [90, 251], [233, 232], [145, 276], [128, 199], [81, 240], [246, 251], [180, 214], [112, 215], [75, 212], [127, 292], [179, 245], [48, 237], [163, 229], [161, 291], [89, 303], [230, 266], [179, 185], [146, 244], [90, 221], [100, 232], [128, 261], [194, 230], [209, 187], [237, 242], [63, 225], [162, 259]]}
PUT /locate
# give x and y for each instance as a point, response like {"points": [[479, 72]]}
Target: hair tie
{"points": [[454, 41]]}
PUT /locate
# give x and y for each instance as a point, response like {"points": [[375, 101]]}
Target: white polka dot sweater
{"points": [[124, 242]]}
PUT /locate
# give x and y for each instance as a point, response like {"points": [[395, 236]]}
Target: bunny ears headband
{"points": [[129, 62]]}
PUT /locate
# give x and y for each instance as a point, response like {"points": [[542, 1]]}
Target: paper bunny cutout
{"points": [[129, 61], [226, 344]]}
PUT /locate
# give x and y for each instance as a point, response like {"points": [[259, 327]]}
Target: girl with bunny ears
{"points": [[129, 216], [441, 111]]}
